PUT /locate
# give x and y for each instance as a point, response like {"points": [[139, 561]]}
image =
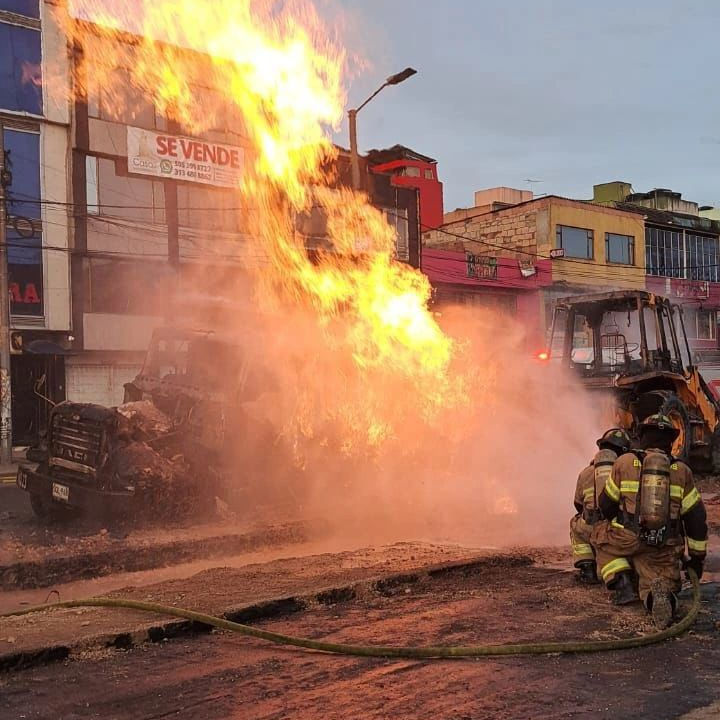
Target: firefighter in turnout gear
{"points": [[655, 510], [590, 484]]}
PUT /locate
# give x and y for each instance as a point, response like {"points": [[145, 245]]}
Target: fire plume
{"points": [[275, 75]]}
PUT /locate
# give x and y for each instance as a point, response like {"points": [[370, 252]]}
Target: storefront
{"points": [[503, 285]]}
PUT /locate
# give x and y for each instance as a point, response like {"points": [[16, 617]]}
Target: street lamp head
{"points": [[399, 77]]}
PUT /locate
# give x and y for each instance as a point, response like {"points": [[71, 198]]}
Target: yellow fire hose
{"points": [[439, 651]]}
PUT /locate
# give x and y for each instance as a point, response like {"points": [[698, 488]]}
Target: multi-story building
{"points": [[412, 170], [150, 227], [520, 253], [35, 121]]}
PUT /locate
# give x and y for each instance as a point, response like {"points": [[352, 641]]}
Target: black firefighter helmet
{"points": [[615, 438], [659, 422]]}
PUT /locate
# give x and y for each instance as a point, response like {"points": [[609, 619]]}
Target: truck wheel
{"points": [[44, 508], [674, 408]]}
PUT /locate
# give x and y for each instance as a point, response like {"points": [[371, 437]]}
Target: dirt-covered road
{"points": [[225, 676]]}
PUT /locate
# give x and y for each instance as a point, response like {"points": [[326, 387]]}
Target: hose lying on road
{"points": [[440, 651]]}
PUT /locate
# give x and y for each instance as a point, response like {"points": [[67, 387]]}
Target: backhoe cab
{"points": [[633, 344]]}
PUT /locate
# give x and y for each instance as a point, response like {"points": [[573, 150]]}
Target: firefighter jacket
{"points": [[687, 516], [585, 488]]}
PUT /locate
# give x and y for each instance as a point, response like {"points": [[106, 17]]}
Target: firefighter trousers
{"points": [[582, 550], [619, 549]]}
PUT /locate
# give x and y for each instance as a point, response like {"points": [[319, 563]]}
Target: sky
{"points": [[569, 92]]}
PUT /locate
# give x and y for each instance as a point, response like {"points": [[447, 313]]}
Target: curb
{"points": [[386, 585], [52, 571]]}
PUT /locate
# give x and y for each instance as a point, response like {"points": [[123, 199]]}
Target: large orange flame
{"points": [[281, 73]]}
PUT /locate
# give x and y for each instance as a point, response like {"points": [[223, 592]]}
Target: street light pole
{"points": [[5, 382], [352, 121]]}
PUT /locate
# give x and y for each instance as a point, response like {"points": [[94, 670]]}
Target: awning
{"points": [[45, 347]]}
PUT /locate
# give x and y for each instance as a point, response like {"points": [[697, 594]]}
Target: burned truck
{"points": [[631, 349], [165, 451]]}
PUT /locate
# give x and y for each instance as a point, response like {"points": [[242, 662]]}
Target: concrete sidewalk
{"points": [[8, 471]]}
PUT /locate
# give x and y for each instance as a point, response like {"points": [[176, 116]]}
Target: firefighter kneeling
{"points": [[655, 508], [590, 484]]}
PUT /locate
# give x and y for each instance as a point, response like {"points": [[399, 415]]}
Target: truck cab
{"points": [[164, 446]]}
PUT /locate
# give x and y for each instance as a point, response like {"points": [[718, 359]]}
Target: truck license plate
{"points": [[60, 492]]}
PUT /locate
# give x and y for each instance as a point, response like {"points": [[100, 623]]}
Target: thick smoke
{"points": [[496, 467], [350, 406]]}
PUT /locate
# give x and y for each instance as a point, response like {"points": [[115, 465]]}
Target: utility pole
{"points": [[5, 389], [354, 155]]}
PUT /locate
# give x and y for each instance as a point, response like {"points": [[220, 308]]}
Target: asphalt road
{"points": [[14, 501]]}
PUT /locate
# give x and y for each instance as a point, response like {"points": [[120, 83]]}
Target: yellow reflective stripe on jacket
{"points": [[677, 491], [699, 546], [629, 486], [616, 524], [588, 493], [614, 566], [689, 501], [611, 489], [582, 549]]}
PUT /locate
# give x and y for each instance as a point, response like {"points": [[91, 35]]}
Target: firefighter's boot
{"points": [[661, 604], [624, 589], [587, 574]]}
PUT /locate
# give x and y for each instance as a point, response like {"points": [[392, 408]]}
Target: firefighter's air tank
{"points": [[654, 491], [603, 465]]}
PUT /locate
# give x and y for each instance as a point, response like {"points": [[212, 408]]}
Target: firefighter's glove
{"points": [[696, 563]]}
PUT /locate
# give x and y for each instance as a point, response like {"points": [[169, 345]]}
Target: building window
{"points": [[576, 242], [24, 231], [664, 253], [118, 99], [208, 208], [706, 324], [20, 69], [411, 171], [672, 253], [28, 8], [429, 175], [702, 257], [116, 195], [128, 287], [620, 249]]}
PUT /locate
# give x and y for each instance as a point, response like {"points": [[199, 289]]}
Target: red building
{"points": [[411, 169], [503, 284]]}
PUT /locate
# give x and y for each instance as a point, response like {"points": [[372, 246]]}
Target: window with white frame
{"points": [[678, 254], [702, 256]]}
